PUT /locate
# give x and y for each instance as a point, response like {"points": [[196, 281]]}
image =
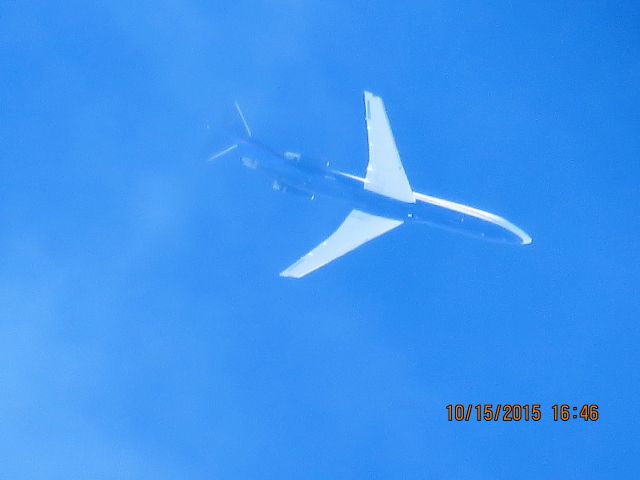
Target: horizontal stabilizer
{"points": [[357, 229], [223, 152], [244, 121]]}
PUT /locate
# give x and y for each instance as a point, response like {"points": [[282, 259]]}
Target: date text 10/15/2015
{"points": [[515, 412]]}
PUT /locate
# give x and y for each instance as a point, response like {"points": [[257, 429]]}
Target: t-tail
{"points": [[245, 135]]}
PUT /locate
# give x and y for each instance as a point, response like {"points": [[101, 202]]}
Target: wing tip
{"points": [[288, 274]]}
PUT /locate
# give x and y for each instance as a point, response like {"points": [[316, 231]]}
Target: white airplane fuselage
{"points": [[379, 202], [293, 173]]}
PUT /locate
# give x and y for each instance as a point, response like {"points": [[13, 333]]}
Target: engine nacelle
{"points": [[249, 163]]}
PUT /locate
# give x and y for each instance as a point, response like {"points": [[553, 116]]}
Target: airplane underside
{"points": [[380, 202]]}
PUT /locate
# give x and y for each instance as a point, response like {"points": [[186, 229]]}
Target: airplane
{"points": [[380, 201]]}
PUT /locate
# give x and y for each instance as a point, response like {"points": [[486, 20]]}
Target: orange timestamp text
{"points": [[516, 412]]}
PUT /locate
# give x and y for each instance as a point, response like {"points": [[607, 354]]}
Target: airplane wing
{"points": [[385, 174], [357, 229]]}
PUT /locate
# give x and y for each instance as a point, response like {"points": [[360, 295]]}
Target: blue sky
{"points": [[144, 331]]}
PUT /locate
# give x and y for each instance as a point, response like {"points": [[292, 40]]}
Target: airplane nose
{"points": [[523, 237]]}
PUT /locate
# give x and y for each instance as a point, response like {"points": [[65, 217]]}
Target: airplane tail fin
{"points": [[237, 137]]}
